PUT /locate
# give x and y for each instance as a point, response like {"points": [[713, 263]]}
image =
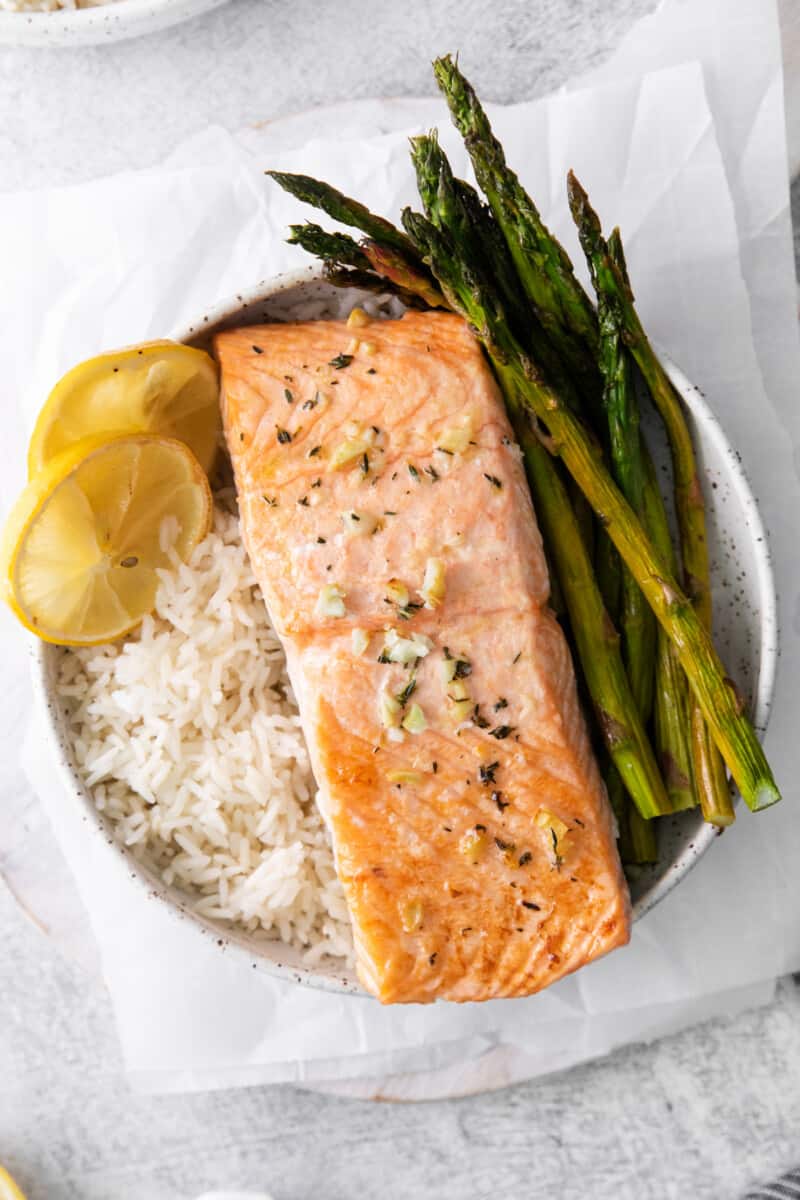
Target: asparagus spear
{"points": [[638, 626], [564, 514], [542, 264], [595, 636], [454, 205], [335, 248], [474, 298], [671, 704], [637, 622], [342, 208], [368, 281], [404, 271], [710, 775]]}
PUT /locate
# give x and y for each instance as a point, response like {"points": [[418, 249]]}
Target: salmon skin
{"points": [[385, 511]]}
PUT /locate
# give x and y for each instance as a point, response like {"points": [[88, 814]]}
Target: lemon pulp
{"points": [[159, 387], [83, 545]]}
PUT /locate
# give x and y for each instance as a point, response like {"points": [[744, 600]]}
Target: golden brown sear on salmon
{"points": [[385, 510]]}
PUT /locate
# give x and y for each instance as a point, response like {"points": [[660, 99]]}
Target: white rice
{"points": [[188, 737]]}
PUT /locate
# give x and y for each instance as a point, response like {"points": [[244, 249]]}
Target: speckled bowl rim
{"points": [[326, 975], [95, 26]]}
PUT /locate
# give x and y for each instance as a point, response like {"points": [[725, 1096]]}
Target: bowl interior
{"points": [[744, 623]]}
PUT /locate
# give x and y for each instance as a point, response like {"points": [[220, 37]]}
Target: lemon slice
{"points": [[158, 387], [9, 1190], [82, 546]]}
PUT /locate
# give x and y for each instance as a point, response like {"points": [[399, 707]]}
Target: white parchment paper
{"points": [[681, 142]]}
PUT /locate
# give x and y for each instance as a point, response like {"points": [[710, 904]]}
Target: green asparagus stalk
{"points": [[690, 510], [338, 249], [596, 639], [543, 266], [609, 573], [638, 625], [454, 205], [671, 703], [342, 208], [474, 298], [642, 837]]}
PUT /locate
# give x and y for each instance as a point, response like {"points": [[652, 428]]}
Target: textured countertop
{"points": [[703, 1114]]}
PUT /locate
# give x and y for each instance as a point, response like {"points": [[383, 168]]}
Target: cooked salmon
{"points": [[385, 510]]}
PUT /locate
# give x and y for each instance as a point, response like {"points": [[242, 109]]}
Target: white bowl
{"points": [[745, 625], [93, 26]]}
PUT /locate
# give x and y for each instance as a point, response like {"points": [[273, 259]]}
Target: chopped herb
{"points": [[283, 435], [466, 929], [446, 652], [404, 696], [354, 516], [309, 404], [502, 804], [501, 732], [272, 501], [304, 501], [442, 450], [579, 822], [241, 437], [383, 657], [334, 383], [257, 350], [314, 451], [375, 430], [525, 858], [463, 668], [516, 659], [289, 378], [447, 828], [504, 846], [531, 905], [501, 703], [413, 472], [341, 361], [477, 719], [432, 958], [317, 483], [321, 541], [131, 561], [365, 463], [486, 772], [388, 513], [434, 767], [556, 855], [288, 396], [371, 371], [406, 612], [493, 480], [480, 829], [434, 474]]}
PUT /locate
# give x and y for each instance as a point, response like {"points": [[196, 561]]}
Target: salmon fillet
{"points": [[386, 514]]}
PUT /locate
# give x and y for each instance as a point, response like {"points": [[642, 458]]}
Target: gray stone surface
{"points": [[71, 114], [699, 1115], [695, 1116]]}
